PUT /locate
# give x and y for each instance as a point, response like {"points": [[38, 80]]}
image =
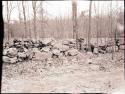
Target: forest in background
{"points": [[41, 26]]}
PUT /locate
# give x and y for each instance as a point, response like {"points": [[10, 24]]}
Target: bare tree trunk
{"points": [[97, 23], [18, 5], [8, 20], [25, 24], [111, 30], [29, 29], [74, 18], [41, 12], [34, 15], [101, 26], [115, 33], [9, 9], [20, 19], [115, 37], [35, 25], [42, 30], [109, 35], [89, 31], [105, 29]]}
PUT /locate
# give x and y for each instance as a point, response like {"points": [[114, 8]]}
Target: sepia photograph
{"points": [[63, 46]]}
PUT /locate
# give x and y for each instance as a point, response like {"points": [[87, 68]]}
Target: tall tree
{"points": [[89, 31], [105, 29], [97, 22], [9, 9], [24, 18], [74, 18], [41, 13], [19, 11], [19, 15], [115, 32], [29, 24], [34, 6], [41, 18], [111, 29]]}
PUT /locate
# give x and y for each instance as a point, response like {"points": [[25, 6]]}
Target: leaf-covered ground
{"points": [[75, 74]]}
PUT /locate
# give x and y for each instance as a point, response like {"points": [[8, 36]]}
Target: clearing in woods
{"points": [[102, 75]]}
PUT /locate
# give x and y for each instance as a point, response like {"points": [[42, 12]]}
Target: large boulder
{"points": [[10, 60], [36, 45], [13, 60], [72, 41], [5, 52], [45, 49], [56, 52], [6, 45], [21, 55], [72, 52], [6, 59], [28, 54], [109, 49], [65, 42], [12, 52], [35, 50], [47, 41], [96, 51], [64, 48], [20, 49], [60, 46]]}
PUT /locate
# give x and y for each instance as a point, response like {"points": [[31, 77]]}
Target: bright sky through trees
{"points": [[64, 8]]}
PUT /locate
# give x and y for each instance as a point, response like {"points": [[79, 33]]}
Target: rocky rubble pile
{"points": [[49, 48], [43, 50]]}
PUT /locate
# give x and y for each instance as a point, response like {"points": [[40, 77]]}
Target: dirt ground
{"points": [[70, 75]]}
